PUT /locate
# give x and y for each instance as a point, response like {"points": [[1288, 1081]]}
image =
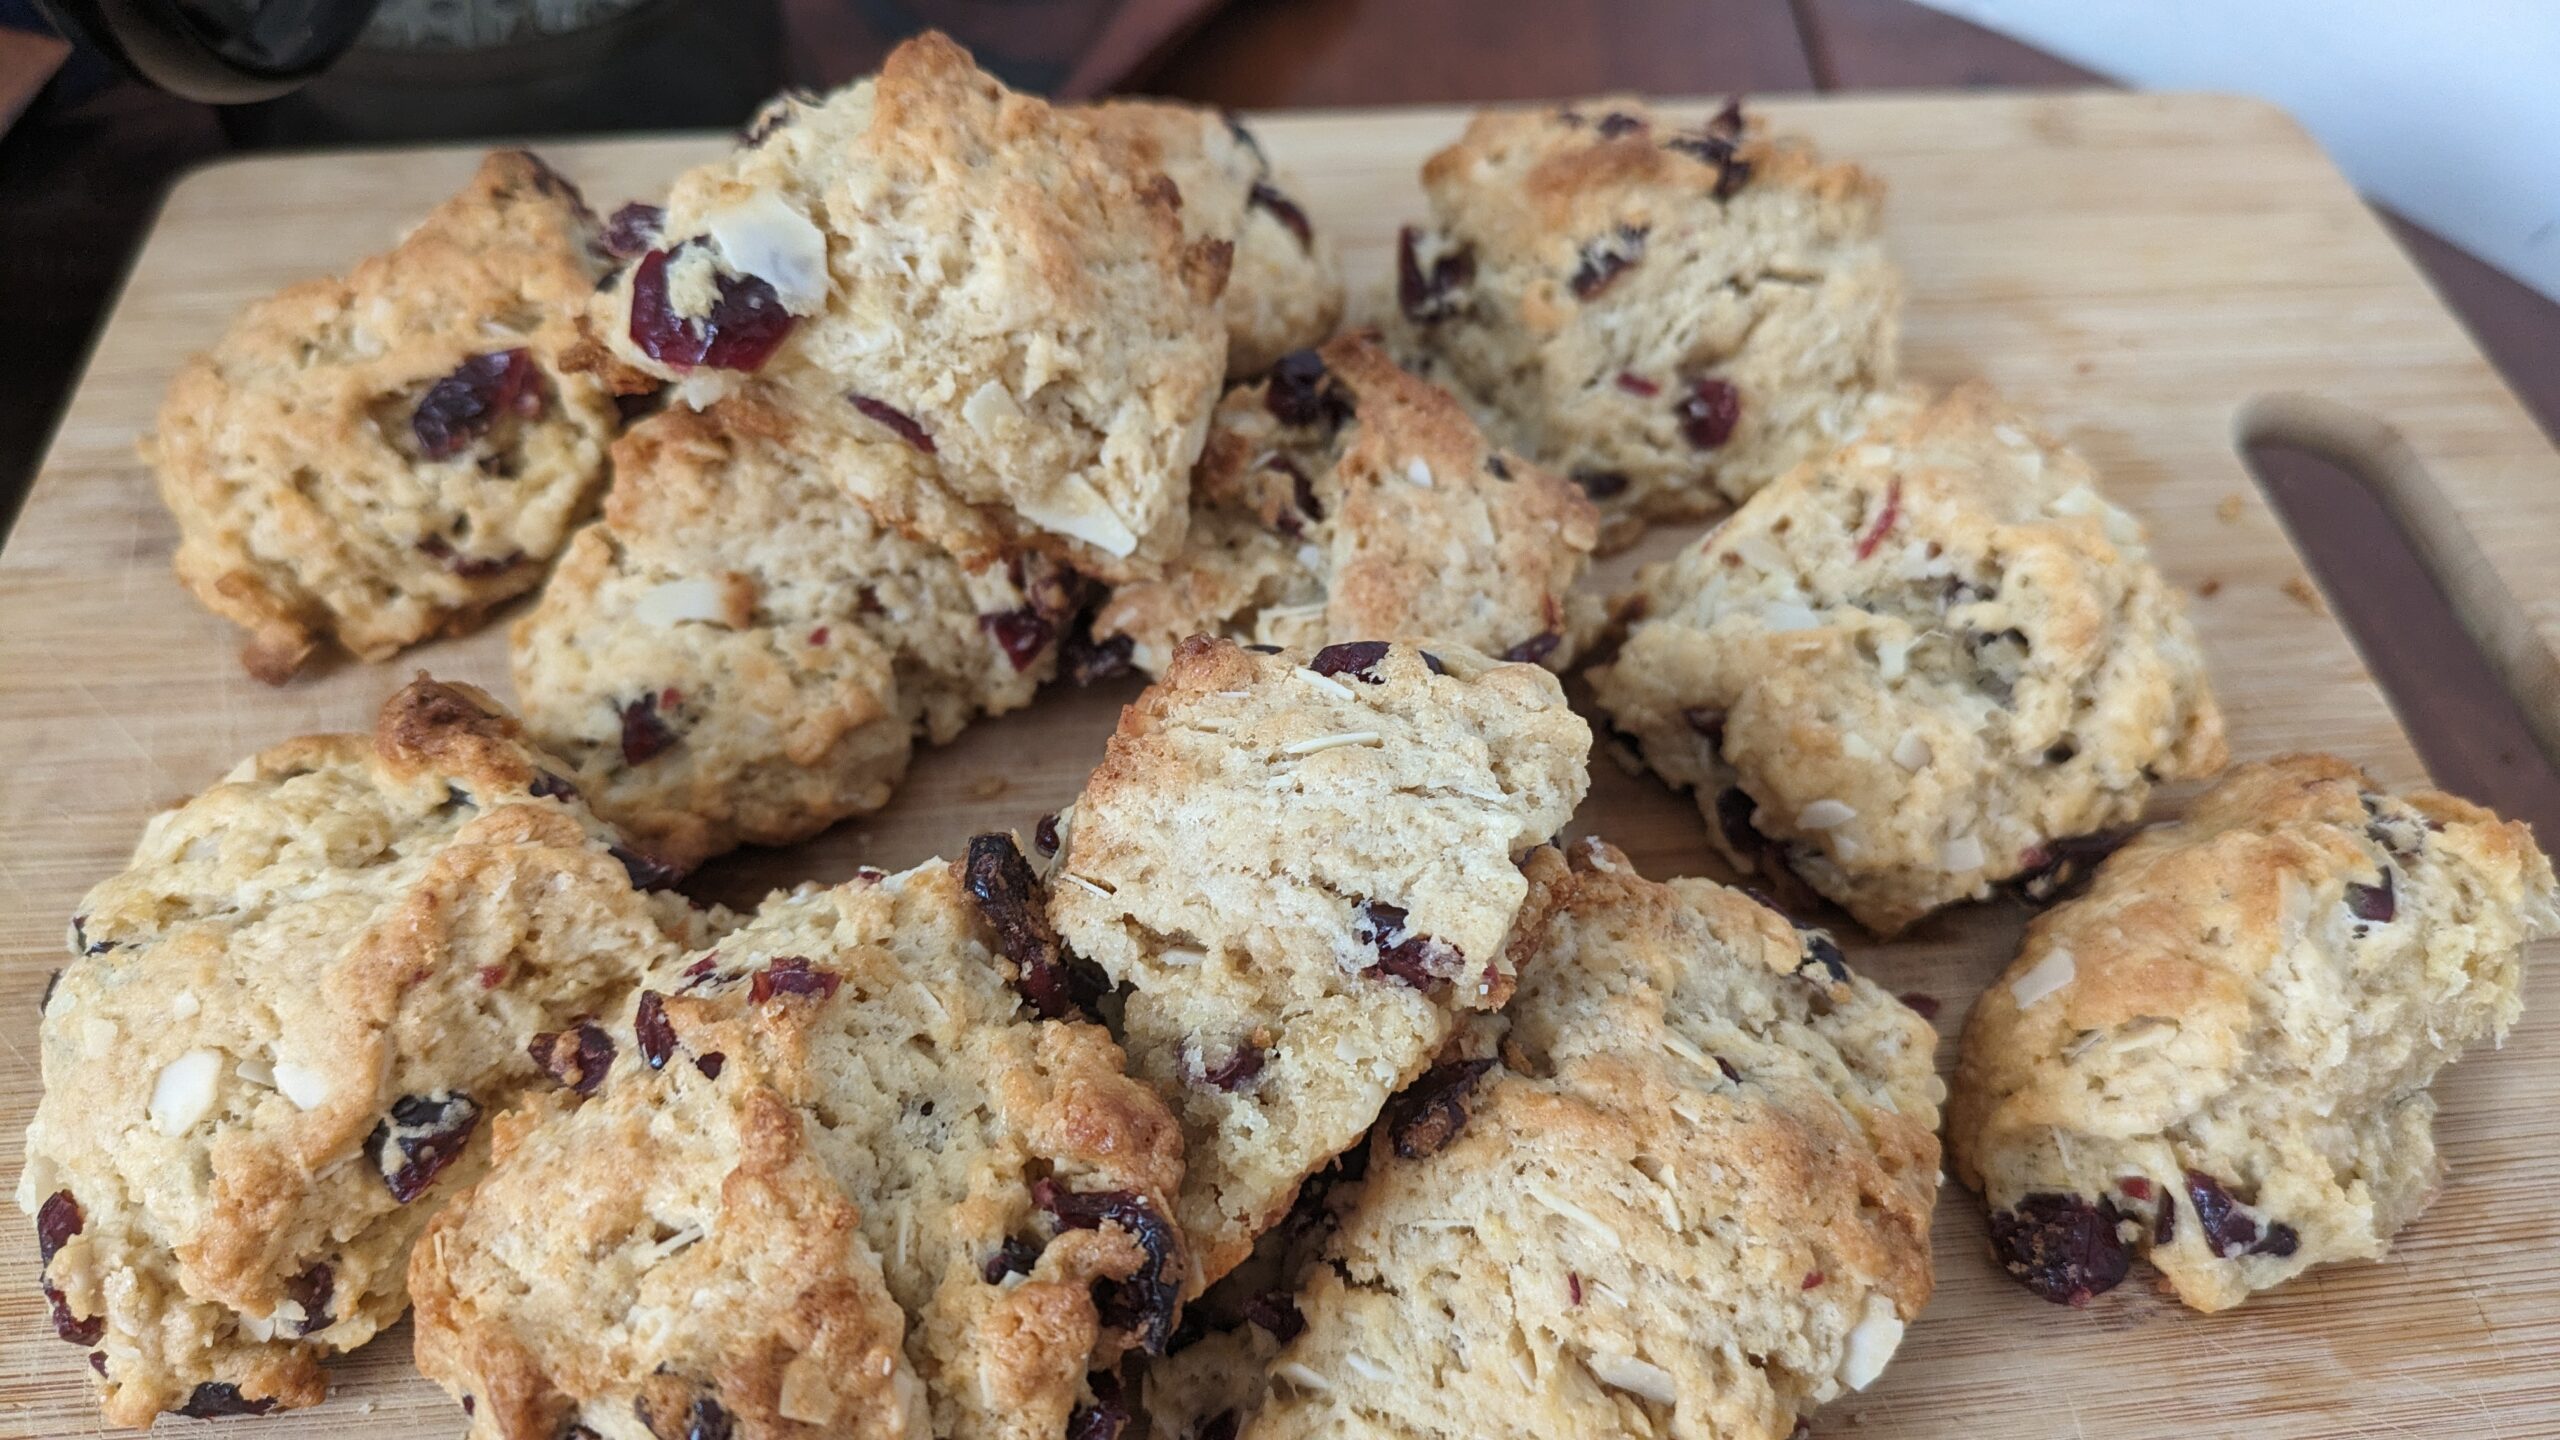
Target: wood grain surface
{"points": [[2157, 275]]}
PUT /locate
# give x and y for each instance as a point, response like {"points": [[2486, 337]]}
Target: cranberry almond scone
{"points": [[267, 1062], [1302, 870], [1689, 1196], [380, 458], [2219, 1056], [1917, 667], [739, 653], [1346, 499], [1672, 316], [837, 1175], [966, 277]]}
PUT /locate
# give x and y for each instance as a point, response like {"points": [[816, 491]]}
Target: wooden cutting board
{"points": [[2155, 274]]}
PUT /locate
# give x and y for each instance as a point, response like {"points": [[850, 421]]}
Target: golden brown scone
{"points": [[2219, 1056], [1690, 1197], [1912, 669], [1345, 499], [838, 1179], [1304, 869], [268, 1059], [1674, 315], [966, 277], [387, 456], [739, 654]]}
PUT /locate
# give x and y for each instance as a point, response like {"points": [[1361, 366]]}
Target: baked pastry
{"points": [[267, 1062], [1908, 671], [965, 277], [837, 1180], [1301, 869], [387, 456], [739, 653], [2219, 1056], [1674, 315], [1284, 287], [1346, 499], [1691, 1196]]}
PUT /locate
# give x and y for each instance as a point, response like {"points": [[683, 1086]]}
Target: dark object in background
{"points": [[224, 52]]}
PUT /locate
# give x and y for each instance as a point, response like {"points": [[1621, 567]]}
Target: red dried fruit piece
{"points": [[1143, 1304], [1277, 1314], [1813, 1280], [1635, 384], [1725, 1067], [1605, 259], [1599, 484], [1407, 954], [1573, 1287], [313, 1290], [793, 975], [631, 230], [1717, 144], [466, 405], [1058, 985], [1301, 392], [1016, 1256], [1022, 634], [1284, 210], [745, 325], [655, 1033], [1709, 412], [1426, 295], [710, 1065], [1534, 649], [1083, 660], [2135, 1187], [1241, 1067], [1884, 520], [898, 422], [421, 1137], [57, 1220], [1044, 835], [2230, 1230], [2374, 904], [1106, 1417], [468, 567], [1355, 658], [547, 786], [645, 734], [576, 1058], [98, 1362], [647, 871], [69, 1327], [2062, 1247], [216, 1398], [1423, 1117]]}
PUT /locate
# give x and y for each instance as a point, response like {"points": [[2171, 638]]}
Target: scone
{"points": [[1672, 315], [739, 653], [1346, 499], [837, 1180], [1691, 1197], [965, 277], [2219, 1056], [1910, 669], [267, 1063], [380, 458], [1300, 870], [1284, 288]]}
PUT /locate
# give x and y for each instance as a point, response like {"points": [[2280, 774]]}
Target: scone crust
{"points": [[307, 508], [1349, 499], [1018, 314], [2257, 995], [314, 977], [1904, 671], [1587, 265]]}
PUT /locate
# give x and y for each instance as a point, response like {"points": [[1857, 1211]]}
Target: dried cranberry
{"points": [[645, 735], [1726, 1068], [71, 1328], [711, 1065], [1044, 835], [422, 1135], [468, 567], [1084, 660], [1813, 1280], [576, 1058], [1016, 1256], [1885, 518], [632, 230], [1407, 954], [1427, 295], [2135, 1187], [1534, 649], [1718, 144], [1573, 1287], [1925, 1006], [1617, 123], [466, 405], [1022, 634], [1433, 663], [1605, 259], [1241, 1067], [1277, 1314], [215, 1398], [1057, 984], [2049, 871], [1143, 1304], [655, 1033], [1284, 210], [647, 871], [98, 1362], [1106, 1417], [2165, 1228], [313, 1290], [745, 325], [1708, 722], [1599, 484], [2229, 1229], [1355, 658], [2062, 1247], [1423, 1117], [793, 975], [57, 1220], [1635, 384], [1301, 392], [898, 422], [1709, 411], [547, 786], [2373, 903]]}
